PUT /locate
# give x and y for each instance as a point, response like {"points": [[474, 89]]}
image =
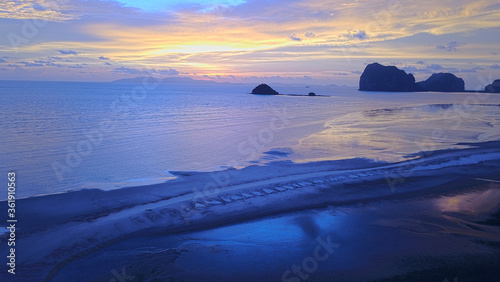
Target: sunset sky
{"points": [[289, 41]]}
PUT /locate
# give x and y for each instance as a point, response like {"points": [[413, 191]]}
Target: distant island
{"points": [[264, 89], [494, 87], [377, 77]]}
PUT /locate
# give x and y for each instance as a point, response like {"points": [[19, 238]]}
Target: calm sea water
{"points": [[62, 136]]}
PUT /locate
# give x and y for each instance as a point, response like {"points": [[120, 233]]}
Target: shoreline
{"points": [[75, 224]]}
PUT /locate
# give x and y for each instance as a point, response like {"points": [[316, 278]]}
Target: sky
{"points": [[288, 41]]}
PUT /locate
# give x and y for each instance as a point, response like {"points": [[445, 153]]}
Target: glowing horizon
{"points": [[323, 42]]}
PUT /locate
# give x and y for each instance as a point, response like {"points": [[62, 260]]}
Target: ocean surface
{"points": [[63, 136]]}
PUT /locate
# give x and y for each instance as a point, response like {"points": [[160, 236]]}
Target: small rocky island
{"points": [[494, 87], [264, 89], [443, 82], [377, 77]]}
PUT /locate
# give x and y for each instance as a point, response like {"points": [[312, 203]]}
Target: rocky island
{"points": [[264, 89], [377, 77], [443, 82], [494, 87]]}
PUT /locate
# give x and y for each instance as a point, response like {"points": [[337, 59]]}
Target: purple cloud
{"points": [[451, 46], [435, 67], [294, 37]]}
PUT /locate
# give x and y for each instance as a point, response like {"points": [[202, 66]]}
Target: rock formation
{"points": [[264, 89], [494, 87], [377, 77], [443, 82]]}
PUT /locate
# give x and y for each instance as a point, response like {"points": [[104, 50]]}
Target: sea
{"points": [[65, 136]]}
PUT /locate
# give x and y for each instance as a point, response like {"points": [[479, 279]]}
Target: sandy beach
{"points": [[69, 229]]}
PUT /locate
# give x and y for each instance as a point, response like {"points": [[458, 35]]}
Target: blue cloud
{"points": [[103, 58], [161, 5], [133, 71], [29, 64], [435, 67], [451, 46], [68, 52], [356, 34], [294, 37]]}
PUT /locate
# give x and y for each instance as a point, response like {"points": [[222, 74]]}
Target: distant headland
{"points": [[377, 77]]}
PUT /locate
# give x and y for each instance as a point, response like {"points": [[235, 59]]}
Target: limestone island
{"points": [[494, 87], [377, 77]]}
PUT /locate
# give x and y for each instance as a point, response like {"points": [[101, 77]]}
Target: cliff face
{"points": [[377, 77], [443, 82]]}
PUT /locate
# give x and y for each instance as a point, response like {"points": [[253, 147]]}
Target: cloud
{"points": [[451, 46], [357, 72], [165, 72], [103, 58], [356, 34], [2, 60], [30, 64], [168, 72], [127, 70], [50, 64], [108, 64], [68, 52], [495, 66], [410, 69], [294, 37], [238, 39], [435, 67], [60, 11]]}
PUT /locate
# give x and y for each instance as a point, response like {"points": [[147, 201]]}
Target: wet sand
{"points": [[257, 222]]}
